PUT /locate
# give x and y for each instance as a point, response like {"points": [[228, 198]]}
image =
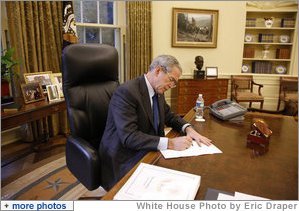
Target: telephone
{"points": [[226, 109]]}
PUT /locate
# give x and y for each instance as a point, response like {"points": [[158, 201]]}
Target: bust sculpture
{"points": [[199, 74], [198, 62]]}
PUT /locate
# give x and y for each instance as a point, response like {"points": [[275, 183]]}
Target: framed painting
{"points": [[32, 92], [44, 78], [194, 28], [56, 78]]}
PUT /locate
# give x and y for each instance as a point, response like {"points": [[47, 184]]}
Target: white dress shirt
{"points": [[163, 143]]}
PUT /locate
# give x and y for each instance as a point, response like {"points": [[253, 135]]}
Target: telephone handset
{"points": [[227, 109]]}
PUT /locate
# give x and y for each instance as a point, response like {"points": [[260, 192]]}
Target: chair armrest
{"points": [[260, 86], [235, 86], [83, 161]]}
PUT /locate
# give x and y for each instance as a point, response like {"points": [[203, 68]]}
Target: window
{"points": [[100, 22]]}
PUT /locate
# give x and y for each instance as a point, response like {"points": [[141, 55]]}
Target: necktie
{"points": [[156, 112]]}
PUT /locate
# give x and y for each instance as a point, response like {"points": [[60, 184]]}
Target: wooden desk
{"points": [[30, 112], [273, 175]]}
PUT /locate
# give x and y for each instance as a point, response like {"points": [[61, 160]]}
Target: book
{"points": [[149, 182], [11, 107]]}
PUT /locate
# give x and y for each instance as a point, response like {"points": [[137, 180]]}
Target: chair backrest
{"points": [[90, 76], [288, 84], [243, 82]]}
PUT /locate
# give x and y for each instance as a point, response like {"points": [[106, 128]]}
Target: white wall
{"points": [[228, 54]]}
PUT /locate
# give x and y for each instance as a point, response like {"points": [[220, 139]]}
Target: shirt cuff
{"points": [[185, 126], [163, 143]]}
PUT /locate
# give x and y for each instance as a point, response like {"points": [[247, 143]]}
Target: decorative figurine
{"points": [[269, 22], [199, 74]]}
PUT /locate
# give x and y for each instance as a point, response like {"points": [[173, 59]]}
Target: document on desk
{"points": [[239, 196], [194, 150], [150, 182]]}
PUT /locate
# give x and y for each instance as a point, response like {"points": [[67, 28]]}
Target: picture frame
{"points": [[53, 93], [44, 78], [32, 92], [211, 72], [194, 28], [56, 78]]}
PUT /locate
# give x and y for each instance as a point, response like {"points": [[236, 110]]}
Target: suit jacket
{"points": [[129, 132]]}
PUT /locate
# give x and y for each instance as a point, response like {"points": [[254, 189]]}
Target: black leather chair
{"points": [[90, 76]]}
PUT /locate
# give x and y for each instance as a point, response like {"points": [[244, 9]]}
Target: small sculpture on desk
{"points": [[199, 74]]}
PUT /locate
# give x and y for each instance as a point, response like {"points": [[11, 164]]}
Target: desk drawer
{"points": [[188, 90], [203, 90], [202, 83]]}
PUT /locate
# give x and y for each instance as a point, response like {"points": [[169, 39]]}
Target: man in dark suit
{"points": [[133, 128]]}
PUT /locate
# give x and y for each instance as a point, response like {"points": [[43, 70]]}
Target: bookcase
{"points": [[268, 42]]}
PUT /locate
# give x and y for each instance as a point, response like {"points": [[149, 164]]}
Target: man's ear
{"points": [[157, 70]]}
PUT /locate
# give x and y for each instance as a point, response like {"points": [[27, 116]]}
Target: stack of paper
{"points": [[194, 150], [151, 182]]}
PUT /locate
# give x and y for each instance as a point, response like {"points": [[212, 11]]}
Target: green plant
{"points": [[7, 64]]}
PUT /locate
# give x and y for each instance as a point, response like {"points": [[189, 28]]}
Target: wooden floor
{"points": [[20, 158]]}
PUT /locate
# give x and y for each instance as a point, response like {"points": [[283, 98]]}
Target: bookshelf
{"points": [[269, 42]]}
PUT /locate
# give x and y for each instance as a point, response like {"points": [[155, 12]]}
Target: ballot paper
{"points": [[194, 150], [149, 182]]}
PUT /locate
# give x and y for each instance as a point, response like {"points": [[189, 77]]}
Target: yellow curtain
{"points": [[139, 38], [35, 29]]}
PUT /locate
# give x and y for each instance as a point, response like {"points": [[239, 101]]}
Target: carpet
{"points": [[52, 181]]}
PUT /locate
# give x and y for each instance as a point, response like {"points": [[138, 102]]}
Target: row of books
{"points": [[282, 53], [261, 67], [287, 22], [250, 22], [248, 52], [265, 38]]}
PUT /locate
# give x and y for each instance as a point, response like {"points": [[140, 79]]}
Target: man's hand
{"points": [[179, 143], [197, 137]]}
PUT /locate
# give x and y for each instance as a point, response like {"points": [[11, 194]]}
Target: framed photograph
{"points": [[194, 28], [44, 78], [53, 92], [56, 78], [32, 92], [212, 72]]}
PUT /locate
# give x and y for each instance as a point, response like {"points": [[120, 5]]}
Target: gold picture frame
{"points": [[56, 78], [194, 28], [32, 92], [44, 78]]}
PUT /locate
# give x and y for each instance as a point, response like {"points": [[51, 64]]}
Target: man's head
{"points": [[164, 73], [199, 62]]}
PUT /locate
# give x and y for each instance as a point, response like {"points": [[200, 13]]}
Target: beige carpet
{"points": [[52, 181]]}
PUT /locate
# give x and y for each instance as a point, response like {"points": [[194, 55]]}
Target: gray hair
{"points": [[166, 61]]}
